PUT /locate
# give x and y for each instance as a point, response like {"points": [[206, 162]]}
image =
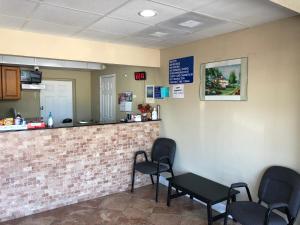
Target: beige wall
{"points": [[123, 83], [29, 105], [59, 47], [237, 141]]}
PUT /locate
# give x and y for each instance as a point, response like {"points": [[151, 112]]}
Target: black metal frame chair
{"points": [[162, 159], [279, 190]]}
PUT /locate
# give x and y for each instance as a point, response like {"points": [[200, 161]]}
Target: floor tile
{"points": [[138, 208]]}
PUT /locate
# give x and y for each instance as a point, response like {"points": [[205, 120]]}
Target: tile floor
{"points": [[124, 208]]}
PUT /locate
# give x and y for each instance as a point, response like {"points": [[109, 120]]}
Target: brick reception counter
{"points": [[46, 169]]}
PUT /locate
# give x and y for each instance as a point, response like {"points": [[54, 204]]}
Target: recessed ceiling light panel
{"points": [[190, 23], [147, 13], [159, 34]]}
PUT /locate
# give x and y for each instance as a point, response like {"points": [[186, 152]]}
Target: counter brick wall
{"points": [[46, 169]]}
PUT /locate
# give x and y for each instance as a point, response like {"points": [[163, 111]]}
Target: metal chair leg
{"points": [[172, 173], [157, 187], [226, 212], [152, 179], [133, 178], [225, 218]]}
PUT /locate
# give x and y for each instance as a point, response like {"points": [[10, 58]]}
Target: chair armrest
{"points": [[232, 187], [239, 185], [140, 153], [273, 206]]}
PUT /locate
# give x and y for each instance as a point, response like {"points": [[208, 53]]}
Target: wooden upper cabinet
{"points": [[11, 86]]}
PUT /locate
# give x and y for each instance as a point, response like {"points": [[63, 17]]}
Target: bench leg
{"points": [[209, 214]]}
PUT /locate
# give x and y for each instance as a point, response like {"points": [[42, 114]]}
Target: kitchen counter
{"points": [[70, 125], [44, 169]]}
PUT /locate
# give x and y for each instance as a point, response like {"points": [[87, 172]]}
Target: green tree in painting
{"points": [[232, 78], [212, 76]]}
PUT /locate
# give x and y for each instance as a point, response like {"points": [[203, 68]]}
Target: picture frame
{"points": [[149, 94], [225, 80]]}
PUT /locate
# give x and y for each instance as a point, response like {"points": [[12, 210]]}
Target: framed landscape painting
{"points": [[224, 80]]}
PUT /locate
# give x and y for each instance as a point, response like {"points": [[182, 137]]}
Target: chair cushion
{"points": [[150, 167], [251, 213]]}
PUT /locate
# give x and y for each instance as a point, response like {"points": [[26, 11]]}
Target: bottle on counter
{"points": [[158, 112], [50, 120], [18, 119], [154, 114]]}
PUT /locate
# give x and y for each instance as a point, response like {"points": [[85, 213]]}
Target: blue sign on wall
{"points": [[181, 71], [157, 92]]}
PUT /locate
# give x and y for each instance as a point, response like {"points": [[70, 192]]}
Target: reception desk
{"points": [[45, 169]]}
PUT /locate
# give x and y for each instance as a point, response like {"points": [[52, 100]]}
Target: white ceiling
{"points": [[118, 20]]}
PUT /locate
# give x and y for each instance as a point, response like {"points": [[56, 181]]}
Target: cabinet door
{"points": [[10, 83]]}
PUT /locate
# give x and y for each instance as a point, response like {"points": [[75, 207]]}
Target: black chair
{"points": [[162, 159], [279, 190]]}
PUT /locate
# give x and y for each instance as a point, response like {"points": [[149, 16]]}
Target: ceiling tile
{"points": [[208, 32], [99, 35], [220, 29], [64, 16], [201, 21], [51, 28], [159, 33], [118, 26], [130, 12], [248, 12], [186, 4], [11, 22], [96, 6], [17, 8]]}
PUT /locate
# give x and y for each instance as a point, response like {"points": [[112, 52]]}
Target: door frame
{"points": [[114, 95], [73, 95]]}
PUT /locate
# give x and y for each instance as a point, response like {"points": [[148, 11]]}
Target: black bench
{"points": [[203, 189]]}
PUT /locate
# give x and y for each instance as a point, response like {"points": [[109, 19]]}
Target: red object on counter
{"points": [[36, 125]]}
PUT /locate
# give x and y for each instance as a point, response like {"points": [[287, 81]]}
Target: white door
{"points": [[57, 98], [108, 98]]}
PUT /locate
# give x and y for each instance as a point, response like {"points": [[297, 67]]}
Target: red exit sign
{"points": [[140, 75]]}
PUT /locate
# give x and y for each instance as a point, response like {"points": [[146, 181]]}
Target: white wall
{"points": [[236, 141]]}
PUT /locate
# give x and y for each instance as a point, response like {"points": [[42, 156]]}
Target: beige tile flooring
{"points": [[124, 208]]}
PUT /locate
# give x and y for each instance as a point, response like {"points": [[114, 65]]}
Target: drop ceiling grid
{"points": [[117, 20]]}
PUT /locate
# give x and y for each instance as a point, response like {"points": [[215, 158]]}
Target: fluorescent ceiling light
{"points": [[190, 23], [159, 34], [290, 4], [148, 13]]}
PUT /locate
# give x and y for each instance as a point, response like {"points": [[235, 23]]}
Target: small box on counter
{"points": [[36, 125], [7, 122]]}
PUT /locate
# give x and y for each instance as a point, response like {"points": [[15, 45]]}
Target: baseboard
{"points": [[220, 207]]}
